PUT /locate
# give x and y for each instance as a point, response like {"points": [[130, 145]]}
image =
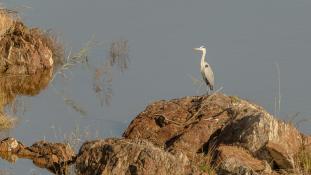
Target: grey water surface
{"points": [[246, 39]]}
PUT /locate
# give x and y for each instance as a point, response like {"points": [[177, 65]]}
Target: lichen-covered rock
{"points": [[128, 156]]}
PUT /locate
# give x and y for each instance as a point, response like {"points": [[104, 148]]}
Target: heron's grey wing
{"points": [[208, 72]]}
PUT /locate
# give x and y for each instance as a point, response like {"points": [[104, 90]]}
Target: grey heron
{"points": [[206, 70]]}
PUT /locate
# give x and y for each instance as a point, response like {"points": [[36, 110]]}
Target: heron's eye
{"points": [[206, 65]]}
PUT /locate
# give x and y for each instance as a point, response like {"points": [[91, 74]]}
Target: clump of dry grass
{"points": [[7, 18], [206, 165], [67, 63], [205, 160], [52, 41], [303, 162]]}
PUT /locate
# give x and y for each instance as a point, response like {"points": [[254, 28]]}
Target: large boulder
{"points": [[201, 124], [184, 124]]}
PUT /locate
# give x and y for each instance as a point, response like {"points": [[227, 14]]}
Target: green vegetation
{"points": [[207, 168], [205, 161]]}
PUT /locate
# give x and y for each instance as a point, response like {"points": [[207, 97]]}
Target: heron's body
{"points": [[206, 70]]}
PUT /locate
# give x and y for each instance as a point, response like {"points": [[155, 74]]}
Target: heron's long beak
{"points": [[196, 49]]}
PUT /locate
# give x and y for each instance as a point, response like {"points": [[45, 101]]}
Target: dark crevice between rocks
{"points": [[275, 166], [160, 121], [171, 141], [210, 145], [133, 170]]}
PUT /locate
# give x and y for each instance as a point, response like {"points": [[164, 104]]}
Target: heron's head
{"points": [[202, 48]]}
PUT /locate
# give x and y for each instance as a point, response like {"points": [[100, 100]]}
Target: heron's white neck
{"points": [[203, 57]]}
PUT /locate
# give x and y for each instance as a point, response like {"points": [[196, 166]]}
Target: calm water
{"points": [[245, 40]]}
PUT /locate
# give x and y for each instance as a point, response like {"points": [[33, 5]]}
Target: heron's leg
{"points": [[198, 90], [207, 92]]}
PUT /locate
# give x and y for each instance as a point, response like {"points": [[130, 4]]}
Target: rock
{"points": [[280, 155], [188, 123], [25, 51], [9, 148], [191, 135], [54, 156], [10, 145], [129, 156], [238, 161], [260, 133], [198, 124]]}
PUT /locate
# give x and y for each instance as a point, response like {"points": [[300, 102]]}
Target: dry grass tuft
{"points": [[7, 18], [205, 160], [206, 164], [303, 162], [52, 41], [67, 64]]}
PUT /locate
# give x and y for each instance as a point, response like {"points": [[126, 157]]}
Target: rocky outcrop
{"points": [[27, 59], [24, 51], [192, 135], [56, 157], [219, 122]]}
